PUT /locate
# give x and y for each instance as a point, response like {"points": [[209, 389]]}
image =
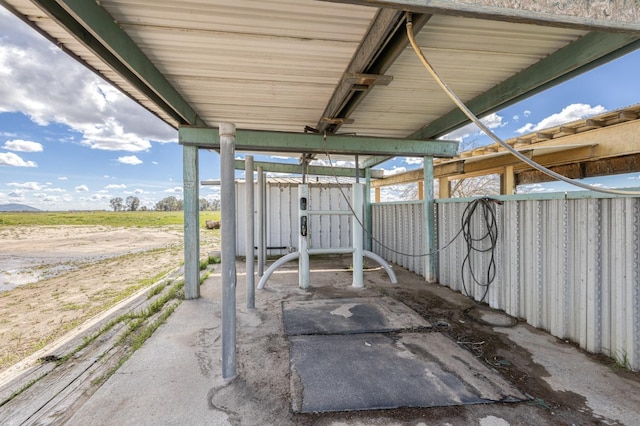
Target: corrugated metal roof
{"points": [[498, 50], [274, 65]]}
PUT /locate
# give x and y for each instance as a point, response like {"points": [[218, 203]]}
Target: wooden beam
{"points": [[410, 176], [583, 14]]}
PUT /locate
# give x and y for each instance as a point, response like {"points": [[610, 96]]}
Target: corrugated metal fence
{"points": [[398, 234], [282, 217], [568, 265]]}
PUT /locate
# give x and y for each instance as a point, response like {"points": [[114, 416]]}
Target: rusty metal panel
{"points": [[568, 265]]}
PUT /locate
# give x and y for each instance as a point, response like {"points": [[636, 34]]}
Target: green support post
{"points": [[431, 263], [191, 223]]}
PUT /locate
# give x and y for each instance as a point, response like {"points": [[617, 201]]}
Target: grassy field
{"points": [[122, 219]]}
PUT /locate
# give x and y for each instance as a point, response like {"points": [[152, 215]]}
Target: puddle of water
{"points": [[15, 277]]}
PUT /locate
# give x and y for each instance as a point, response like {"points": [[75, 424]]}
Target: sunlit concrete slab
{"points": [[381, 371], [349, 316]]}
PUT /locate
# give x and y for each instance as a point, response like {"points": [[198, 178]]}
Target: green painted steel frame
{"points": [[310, 170], [584, 54], [311, 143]]}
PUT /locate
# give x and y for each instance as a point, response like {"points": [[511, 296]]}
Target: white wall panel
{"points": [[282, 217], [568, 265]]}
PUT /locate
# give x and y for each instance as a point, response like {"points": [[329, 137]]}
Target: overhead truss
{"points": [[311, 143]]}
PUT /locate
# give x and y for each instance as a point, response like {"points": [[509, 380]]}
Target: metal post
{"points": [[228, 234], [251, 286], [191, 223], [367, 209], [303, 236], [260, 222], [357, 169], [357, 231], [431, 263]]}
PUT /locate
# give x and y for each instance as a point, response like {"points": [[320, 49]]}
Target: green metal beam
{"points": [[98, 31], [311, 143], [570, 14], [311, 170], [588, 52], [584, 54]]}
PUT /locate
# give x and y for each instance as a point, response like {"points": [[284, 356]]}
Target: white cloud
{"points": [[22, 146], [62, 178], [526, 113], [568, 114], [106, 118], [492, 121], [82, 188], [13, 160], [154, 163], [395, 170], [130, 159], [138, 191], [116, 186], [31, 186], [414, 160], [515, 117], [55, 190], [175, 190]]}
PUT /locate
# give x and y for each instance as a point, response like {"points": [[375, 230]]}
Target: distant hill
{"points": [[17, 208]]}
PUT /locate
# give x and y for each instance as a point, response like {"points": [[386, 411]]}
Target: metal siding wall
{"points": [[282, 217], [397, 231], [570, 266]]}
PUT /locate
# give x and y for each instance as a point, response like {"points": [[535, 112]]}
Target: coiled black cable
{"points": [[485, 242]]}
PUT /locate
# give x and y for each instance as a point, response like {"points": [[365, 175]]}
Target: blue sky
{"points": [[68, 140]]}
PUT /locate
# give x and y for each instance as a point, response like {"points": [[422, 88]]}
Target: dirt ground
{"points": [[55, 278]]}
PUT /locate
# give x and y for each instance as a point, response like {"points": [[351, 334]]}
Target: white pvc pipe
{"points": [[334, 250], [357, 201], [371, 255], [275, 265], [249, 237], [330, 212], [261, 221]]}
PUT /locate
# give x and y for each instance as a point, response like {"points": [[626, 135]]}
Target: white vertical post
{"points": [[228, 234], [303, 236], [249, 240], [367, 210], [357, 201], [430, 270], [261, 211], [191, 222]]}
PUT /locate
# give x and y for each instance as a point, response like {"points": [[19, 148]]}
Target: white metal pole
{"points": [[357, 201], [228, 234], [303, 236], [249, 237], [261, 221]]}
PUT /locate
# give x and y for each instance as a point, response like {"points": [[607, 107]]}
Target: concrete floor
{"points": [[175, 378]]}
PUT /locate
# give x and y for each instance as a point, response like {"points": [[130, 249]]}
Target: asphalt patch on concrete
{"points": [[349, 365], [349, 316]]}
